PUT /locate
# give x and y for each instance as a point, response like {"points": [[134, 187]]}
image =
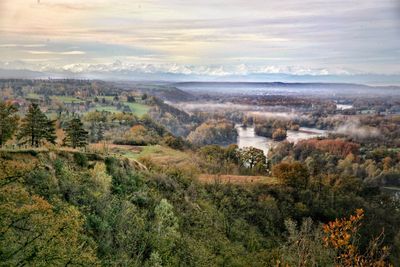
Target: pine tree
{"points": [[92, 132], [36, 127], [50, 132], [76, 135], [8, 121], [100, 131]]}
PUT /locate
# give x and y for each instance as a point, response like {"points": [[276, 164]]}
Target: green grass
{"points": [[106, 97], [161, 155], [67, 99], [138, 109], [33, 96], [128, 154], [155, 150], [105, 108]]}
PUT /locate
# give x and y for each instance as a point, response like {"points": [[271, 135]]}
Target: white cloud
{"points": [[327, 36], [21, 45], [199, 70], [39, 52]]}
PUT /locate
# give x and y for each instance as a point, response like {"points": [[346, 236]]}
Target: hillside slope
{"points": [[71, 208]]}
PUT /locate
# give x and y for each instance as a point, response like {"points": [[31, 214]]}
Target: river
{"points": [[247, 137]]}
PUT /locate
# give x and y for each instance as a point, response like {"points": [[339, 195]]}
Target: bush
{"points": [[81, 159], [175, 143], [279, 134], [293, 174]]}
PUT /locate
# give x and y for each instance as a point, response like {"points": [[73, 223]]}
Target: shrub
{"points": [[81, 159]]}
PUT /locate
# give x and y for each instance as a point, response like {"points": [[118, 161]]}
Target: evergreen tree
{"points": [[96, 131], [8, 121], [100, 131], [36, 127], [92, 132], [50, 131], [76, 135]]}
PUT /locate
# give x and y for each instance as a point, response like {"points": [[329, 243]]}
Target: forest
{"points": [[96, 173]]}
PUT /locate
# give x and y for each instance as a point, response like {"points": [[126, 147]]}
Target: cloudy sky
{"points": [[210, 37]]}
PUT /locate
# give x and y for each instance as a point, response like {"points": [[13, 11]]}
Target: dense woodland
{"points": [[85, 183]]}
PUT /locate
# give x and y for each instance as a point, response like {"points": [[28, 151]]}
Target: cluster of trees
{"points": [[176, 121], [273, 128], [35, 128], [128, 129], [232, 160], [71, 209], [60, 87], [343, 159], [220, 132]]}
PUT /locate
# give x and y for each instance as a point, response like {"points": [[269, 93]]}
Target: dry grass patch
{"points": [[237, 179]]}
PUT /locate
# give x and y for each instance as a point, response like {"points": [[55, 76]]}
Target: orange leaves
{"points": [[138, 129], [340, 231], [340, 235], [337, 147]]}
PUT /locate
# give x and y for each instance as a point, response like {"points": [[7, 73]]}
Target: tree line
{"points": [[35, 128]]}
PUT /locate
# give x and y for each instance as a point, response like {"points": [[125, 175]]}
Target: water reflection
{"points": [[247, 137]]}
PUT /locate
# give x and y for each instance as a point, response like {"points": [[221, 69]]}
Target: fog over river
{"points": [[247, 137]]}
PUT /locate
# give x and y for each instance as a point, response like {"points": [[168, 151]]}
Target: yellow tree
{"points": [[34, 233], [341, 236]]}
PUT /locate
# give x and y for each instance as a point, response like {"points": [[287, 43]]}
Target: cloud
{"points": [[21, 45], [39, 52], [202, 70], [281, 35]]}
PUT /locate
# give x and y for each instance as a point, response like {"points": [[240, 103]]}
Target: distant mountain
{"points": [[175, 73], [283, 88], [20, 74]]}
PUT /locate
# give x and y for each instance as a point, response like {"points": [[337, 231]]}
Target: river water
{"points": [[247, 137]]}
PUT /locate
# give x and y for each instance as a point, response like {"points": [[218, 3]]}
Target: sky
{"points": [[210, 38]]}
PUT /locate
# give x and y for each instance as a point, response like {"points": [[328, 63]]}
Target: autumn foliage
{"points": [[341, 235], [337, 147]]}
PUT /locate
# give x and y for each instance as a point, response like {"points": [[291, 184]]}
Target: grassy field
{"points": [[160, 155], [105, 108], [168, 157], [137, 108], [33, 96], [67, 99]]}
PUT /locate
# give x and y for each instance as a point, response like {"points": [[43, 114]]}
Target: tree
{"points": [[50, 131], [291, 173], [219, 132], [100, 131], [76, 135], [279, 134], [166, 230], [341, 235], [35, 233], [252, 157], [8, 122], [173, 142], [131, 99], [36, 127], [304, 245]]}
